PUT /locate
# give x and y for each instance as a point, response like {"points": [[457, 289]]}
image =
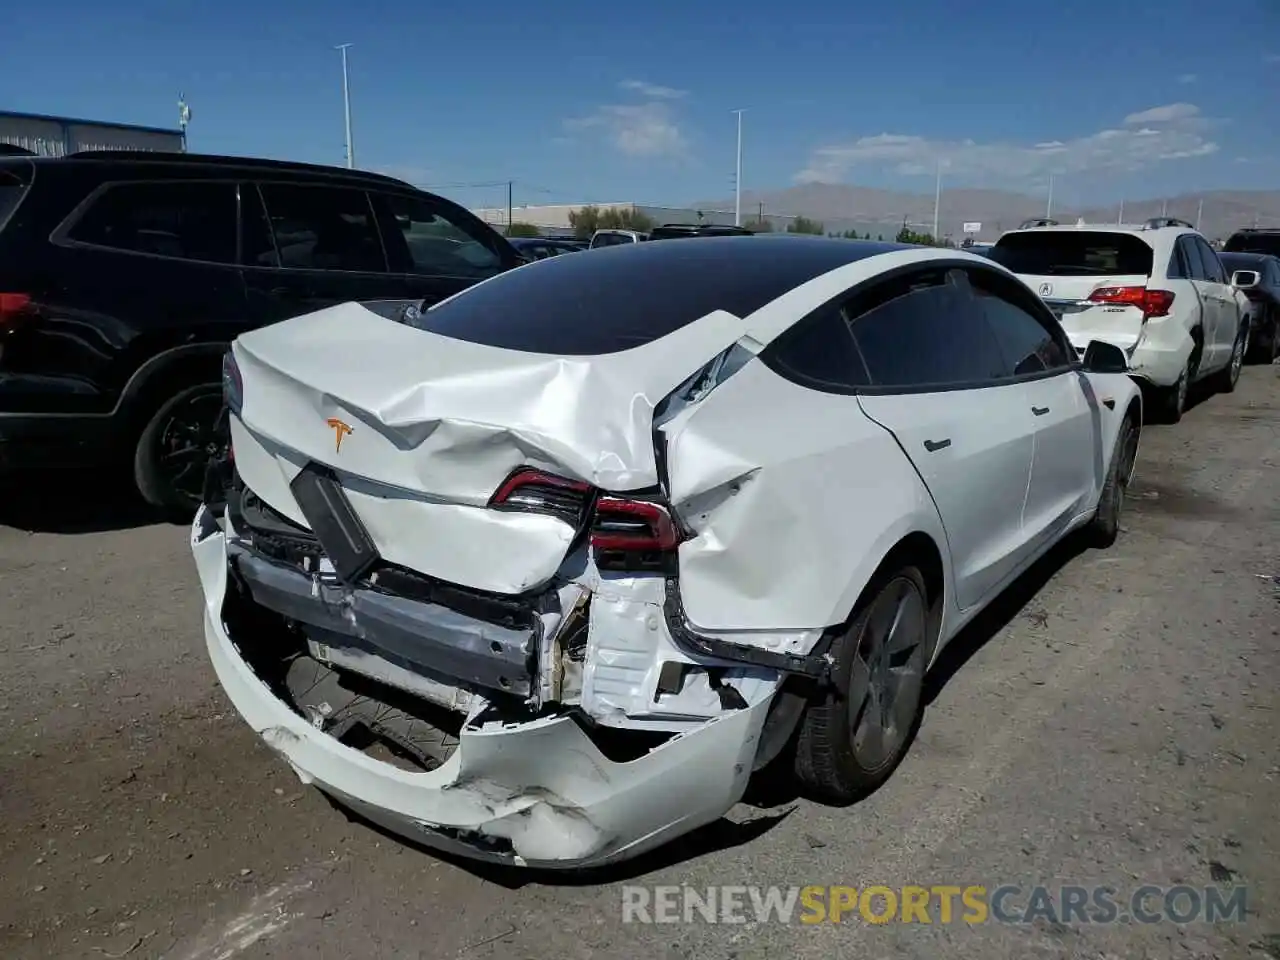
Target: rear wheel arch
{"points": [[917, 549], [166, 374]]}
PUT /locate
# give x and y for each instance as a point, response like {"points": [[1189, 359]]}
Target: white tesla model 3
{"points": [[543, 573]]}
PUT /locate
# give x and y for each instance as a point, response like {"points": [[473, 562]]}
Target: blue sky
{"points": [[596, 101]]}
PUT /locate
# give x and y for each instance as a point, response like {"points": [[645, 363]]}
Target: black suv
{"points": [[123, 277], [1254, 240]]}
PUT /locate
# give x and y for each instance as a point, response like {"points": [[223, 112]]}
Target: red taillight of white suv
{"points": [[1152, 303]]}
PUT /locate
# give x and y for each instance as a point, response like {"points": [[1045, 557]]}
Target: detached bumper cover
{"points": [[537, 793]]}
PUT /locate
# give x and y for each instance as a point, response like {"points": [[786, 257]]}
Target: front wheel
{"points": [[851, 741], [175, 447], [1105, 525]]}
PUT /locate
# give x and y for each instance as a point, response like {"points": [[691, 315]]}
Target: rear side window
{"points": [[1064, 253], [1029, 346], [1209, 257], [181, 220], [323, 228], [925, 330], [818, 352]]}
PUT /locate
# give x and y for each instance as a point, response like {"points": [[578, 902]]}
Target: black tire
{"points": [[1170, 403], [1105, 525], [1225, 380], [827, 760], [174, 449]]}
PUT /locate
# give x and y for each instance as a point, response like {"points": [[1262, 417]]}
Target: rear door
{"points": [[1094, 281], [310, 246], [1067, 465], [139, 267], [939, 385]]}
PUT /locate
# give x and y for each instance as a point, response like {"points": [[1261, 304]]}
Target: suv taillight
{"points": [[1153, 303]]}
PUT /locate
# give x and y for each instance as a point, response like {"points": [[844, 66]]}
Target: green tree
{"points": [[518, 229], [587, 220], [805, 225], [759, 226], [879, 237]]}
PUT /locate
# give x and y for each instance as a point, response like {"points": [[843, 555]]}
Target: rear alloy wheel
{"points": [[1227, 379], [851, 741], [1105, 525], [175, 448], [1171, 402]]}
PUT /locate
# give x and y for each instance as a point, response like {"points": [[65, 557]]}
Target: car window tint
{"points": [[925, 330], [1064, 253], [183, 220], [437, 246], [323, 228], [818, 352], [1178, 268], [1212, 265], [1195, 266], [1028, 347]]}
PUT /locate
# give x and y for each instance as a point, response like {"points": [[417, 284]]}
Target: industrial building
{"points": [[553, 219], [48, 136]]}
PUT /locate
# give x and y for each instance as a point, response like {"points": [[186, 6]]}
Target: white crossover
{"points": [[1158, 291], [542, 574]]}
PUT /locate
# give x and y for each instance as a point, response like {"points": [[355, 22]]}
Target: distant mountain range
{"points": [[841, 207]]}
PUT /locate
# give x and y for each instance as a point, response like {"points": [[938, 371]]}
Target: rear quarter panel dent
{"points": [[794, 498]]}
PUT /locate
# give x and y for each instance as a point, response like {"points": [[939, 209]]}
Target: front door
{"points": [[1065, 466]]}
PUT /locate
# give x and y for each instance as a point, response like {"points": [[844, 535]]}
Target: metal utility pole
{"points": [[737, 177], [1048, 212], [1199, 212], [346, 106], [1164, 207], [510, 185], [937, 200], [1120, 219]]}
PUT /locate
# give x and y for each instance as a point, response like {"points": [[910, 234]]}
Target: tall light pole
{"points": [[737, 177], [346, 106], [1048, 212], [937, 200]]}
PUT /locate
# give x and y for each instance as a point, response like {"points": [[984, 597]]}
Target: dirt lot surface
{"points": [[1114, 722]]}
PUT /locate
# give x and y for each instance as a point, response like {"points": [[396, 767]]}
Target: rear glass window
{"points": [[619, 298], [1059, 253], [181, 220], [1254, 243]]}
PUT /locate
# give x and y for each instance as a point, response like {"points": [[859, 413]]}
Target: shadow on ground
{"points": [[71, 502]]}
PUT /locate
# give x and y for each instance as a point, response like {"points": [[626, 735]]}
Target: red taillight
{"points": [[1153, 303], [633, 525], [536, 491], [12, 305]]}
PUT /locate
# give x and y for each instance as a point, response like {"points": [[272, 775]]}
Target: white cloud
{"points": [[1188, 78], [652, 91], [1171, 132], [1169, 113], [647, 129], [1272, 58]]}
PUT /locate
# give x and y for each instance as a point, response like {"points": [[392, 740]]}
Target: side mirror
{"points": [[1103, 357], [1244, 279]]}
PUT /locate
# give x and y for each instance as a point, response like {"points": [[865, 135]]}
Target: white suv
{"points": [[1157, 291]]}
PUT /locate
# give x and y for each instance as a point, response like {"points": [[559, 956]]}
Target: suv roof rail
{"points": [[157, 156], [1155, 223], [1037, 222]]}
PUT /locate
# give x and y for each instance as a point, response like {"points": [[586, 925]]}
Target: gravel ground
{"points": [[1113, 722]]}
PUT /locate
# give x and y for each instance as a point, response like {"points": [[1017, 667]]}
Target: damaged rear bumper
{"points": [[536, 792]]}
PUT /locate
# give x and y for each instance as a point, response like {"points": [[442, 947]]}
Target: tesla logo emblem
{"points": [[340, 430], [1046, 289]]}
